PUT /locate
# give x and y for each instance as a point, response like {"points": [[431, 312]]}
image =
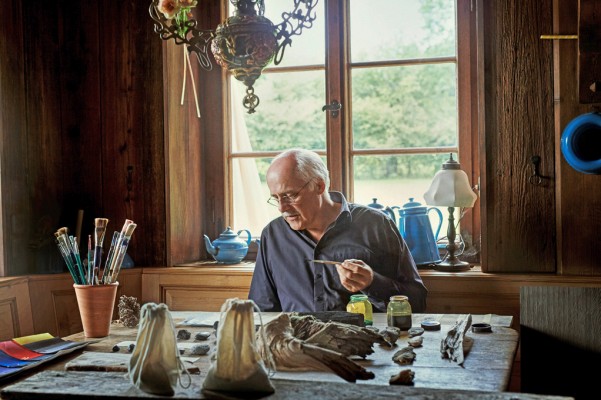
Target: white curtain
{"points": [[250, 202]]}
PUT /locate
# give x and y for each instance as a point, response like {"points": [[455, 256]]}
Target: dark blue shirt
{"points": [[285, 280]]}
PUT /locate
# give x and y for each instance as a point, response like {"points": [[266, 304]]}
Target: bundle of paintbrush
{"points": [[68, 248], [117, 252], [90, 273]]}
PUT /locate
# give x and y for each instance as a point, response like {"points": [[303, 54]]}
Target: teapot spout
{"points": [[210, 248]]}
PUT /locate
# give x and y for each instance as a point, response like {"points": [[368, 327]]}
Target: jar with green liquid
{"points": [[398, 312], [359, 304]]}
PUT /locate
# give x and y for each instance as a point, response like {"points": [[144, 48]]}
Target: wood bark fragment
{"points": [[451, 346], [349, 340], [293, 354]]}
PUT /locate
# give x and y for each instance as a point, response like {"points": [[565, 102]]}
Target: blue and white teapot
{"points": [[229, 248]]}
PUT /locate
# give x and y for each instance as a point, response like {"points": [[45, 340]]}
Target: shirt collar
{"points": [[345, 211]]}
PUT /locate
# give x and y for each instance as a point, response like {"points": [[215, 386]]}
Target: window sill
{"points": [[430, 275]]}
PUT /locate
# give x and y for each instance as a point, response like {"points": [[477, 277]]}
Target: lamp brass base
{"points": [[452, 266]]}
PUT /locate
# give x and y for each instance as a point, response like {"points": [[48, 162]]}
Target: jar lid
{"points": [[430, 325], [398, 298], [358, 297], [481, 328]]}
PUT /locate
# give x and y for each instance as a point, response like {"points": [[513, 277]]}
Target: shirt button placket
{"points": [[319, 289]]}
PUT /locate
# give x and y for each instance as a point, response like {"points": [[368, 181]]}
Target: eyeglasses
{"points": [[288, 199]]}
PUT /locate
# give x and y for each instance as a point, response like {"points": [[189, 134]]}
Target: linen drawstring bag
{"points": [[155, 366], [238, 366]]}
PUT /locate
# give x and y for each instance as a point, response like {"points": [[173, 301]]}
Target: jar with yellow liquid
{"points": [[359, 304]]}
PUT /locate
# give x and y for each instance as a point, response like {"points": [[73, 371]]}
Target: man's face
{"points": [[298, 200]]}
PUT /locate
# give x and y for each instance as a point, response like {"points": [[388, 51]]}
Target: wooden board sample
{"points": [[109, 362]]}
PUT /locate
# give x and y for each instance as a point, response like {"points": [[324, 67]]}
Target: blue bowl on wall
{"points": [[581, 143]]}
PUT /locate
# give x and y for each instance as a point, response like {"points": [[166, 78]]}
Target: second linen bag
{"points": [[155, 365], [238, 366]]}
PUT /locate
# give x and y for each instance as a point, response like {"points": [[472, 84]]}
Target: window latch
{"points": [[333, 108]]}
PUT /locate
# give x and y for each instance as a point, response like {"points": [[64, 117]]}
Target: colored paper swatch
{"points": [[32, 338], [11, 362], [22, 353], [50, 346], [7, 371]]}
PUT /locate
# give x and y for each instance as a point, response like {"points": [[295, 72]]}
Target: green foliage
{"points": [[402, 106]]}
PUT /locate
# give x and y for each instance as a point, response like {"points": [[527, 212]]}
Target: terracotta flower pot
{"points": [[96, 304]]}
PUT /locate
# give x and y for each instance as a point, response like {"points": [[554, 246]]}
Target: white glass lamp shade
{"points": [[450, 187]]}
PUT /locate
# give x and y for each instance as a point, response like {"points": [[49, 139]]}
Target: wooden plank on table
{"points": [[108, 362], [112, 385]]}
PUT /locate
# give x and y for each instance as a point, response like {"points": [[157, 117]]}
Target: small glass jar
{"points": [[359, 304], [398, 312]]}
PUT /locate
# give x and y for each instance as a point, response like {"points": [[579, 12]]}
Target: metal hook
{"points": [[536, 178], [333, 108]]}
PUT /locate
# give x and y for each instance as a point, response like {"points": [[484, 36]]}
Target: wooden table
{"points": [[484, 374]]}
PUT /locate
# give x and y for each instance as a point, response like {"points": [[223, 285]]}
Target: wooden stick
{"points": [[325, 262], [193, 85], [78, 224]]}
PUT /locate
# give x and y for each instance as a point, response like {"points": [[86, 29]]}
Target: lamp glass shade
{"points": [[450, 188]]}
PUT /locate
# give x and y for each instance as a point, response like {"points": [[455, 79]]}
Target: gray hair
{"points": [[309, 165]]}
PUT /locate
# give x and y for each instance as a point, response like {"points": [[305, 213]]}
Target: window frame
{"points": [[339, 146]]}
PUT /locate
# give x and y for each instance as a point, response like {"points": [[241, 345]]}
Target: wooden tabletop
{"points": [[487, 366]]}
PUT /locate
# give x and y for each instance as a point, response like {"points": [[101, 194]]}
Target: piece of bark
{"points": [[349, 340], [451, 346], [275, 339]]}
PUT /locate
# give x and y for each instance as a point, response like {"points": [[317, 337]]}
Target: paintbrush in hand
{"points": [[99, 231]]}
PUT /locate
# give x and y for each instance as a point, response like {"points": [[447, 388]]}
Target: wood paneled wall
{"points": [[530, 95], [518, 216], [82, 127], [15, 308]]}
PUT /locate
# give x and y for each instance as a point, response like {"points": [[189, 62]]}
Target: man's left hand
{"points": [[355, 275]]}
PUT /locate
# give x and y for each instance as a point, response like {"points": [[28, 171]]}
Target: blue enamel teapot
{"points": [[229, 248], [386, 210], [416, 228]]}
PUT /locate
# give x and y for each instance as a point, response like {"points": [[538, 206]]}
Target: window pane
{"points": [[393, 180], [408, 106], [250, 194], [406, 29], [289, 114], [308, 48]]}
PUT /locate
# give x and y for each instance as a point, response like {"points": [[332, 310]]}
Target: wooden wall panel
{"points": [[183, 157], [578, 194], [566, 321], [15, 309], [519, 234], [133, 174], [78, 99], [82, 128], [16, 211], [54, 305]]}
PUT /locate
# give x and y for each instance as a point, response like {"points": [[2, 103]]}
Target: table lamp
{"points": [[451, 188]]}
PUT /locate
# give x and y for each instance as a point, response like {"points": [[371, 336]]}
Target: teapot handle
{"points": [[250, 236], [439, 221], [390, 212]]}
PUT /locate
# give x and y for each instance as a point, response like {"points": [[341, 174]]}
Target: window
{"points": [[400, 69]]}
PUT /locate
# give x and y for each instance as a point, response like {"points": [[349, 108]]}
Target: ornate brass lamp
{"points": [[244, 43]]}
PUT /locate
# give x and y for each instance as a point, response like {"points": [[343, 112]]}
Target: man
{"points": [[317, 224]]}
